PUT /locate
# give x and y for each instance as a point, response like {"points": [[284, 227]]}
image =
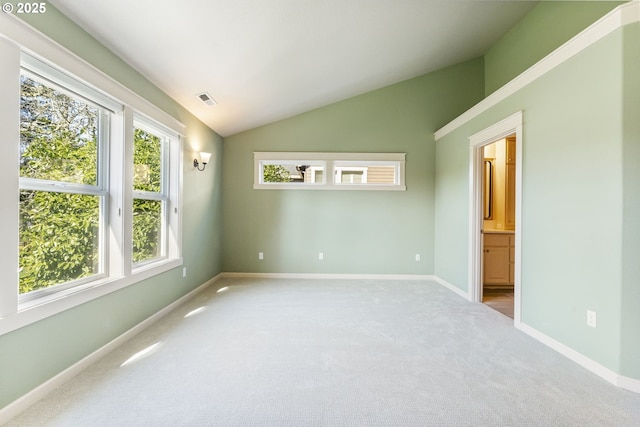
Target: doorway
{"points": [[495, 216], [498, 229]]}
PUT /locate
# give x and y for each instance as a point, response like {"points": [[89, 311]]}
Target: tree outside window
{"points": [[59, 194], [149, 196]]}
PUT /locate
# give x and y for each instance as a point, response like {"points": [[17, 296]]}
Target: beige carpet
{"points": [[334, 353]]}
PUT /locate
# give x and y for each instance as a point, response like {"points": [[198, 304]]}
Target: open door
{"points": [[501, 217]]}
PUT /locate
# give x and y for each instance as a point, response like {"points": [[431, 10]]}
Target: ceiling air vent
{"points": [[207, 99]]}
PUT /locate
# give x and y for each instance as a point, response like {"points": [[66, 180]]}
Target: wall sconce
{"points": [[204, 158]]}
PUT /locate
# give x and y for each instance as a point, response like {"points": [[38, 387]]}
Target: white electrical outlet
{"points": [[591, 318], [184, 271], [260, 255], [417, 257], [321, 256]]}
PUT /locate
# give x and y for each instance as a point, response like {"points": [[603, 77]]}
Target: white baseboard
{"points": [[22, 403], [452, 288], [627, 383], [607, 374], [327, 276]]}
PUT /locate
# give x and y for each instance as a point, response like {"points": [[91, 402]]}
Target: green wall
{"points": [[572, 222], [572, 240], [630, 334], [376, 232], [35, 353], [541, 31]]}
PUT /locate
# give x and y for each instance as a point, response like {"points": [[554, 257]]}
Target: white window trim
{"points": [[65, 83], [314, 163], [28, 40], [313, 169], [340, 169], [331, 163], [56, 80], [163, 195], [16, 38]]}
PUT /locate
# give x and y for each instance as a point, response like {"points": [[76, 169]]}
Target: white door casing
{"points": [[508, 126]]}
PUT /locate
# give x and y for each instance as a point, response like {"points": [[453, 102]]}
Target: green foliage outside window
{"points": [[147, 214], [59, 238], [147, 161], [59, 231], [275, 173]]}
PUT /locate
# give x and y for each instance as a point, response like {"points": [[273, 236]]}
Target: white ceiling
{"points": [[265, 60]]}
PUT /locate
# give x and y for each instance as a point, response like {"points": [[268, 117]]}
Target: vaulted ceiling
{"points": [[265, 60]]}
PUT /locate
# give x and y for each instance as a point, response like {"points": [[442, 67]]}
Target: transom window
{"points": [[294, 172], [329, 171]]}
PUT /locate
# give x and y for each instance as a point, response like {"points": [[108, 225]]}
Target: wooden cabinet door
{"points": [[496, 265]]}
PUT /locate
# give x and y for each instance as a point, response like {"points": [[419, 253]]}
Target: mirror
{"points": [[488, 189]]}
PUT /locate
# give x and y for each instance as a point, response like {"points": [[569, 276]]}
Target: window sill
{"points": [[40, 308], [332, 187]]}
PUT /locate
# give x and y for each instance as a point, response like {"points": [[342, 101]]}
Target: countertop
{"points": [[488, 231]]}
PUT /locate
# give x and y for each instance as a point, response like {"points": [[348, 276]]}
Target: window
{"points": [[62, 185], [302, 172], [377, 173], [351, 175], [347, 171], [150, 195], [96, 172]]}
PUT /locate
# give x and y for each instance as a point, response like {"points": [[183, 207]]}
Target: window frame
{"points": [[20, 47], [53, 79], [163, 195], [333, 162], [314, 163], [340, 170]]}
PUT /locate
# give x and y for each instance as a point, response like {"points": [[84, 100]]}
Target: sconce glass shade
{"points": [[205, 157]]}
